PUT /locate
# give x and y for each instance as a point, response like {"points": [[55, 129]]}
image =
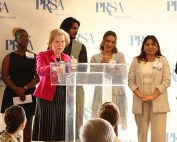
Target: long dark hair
{"points": [[14, 116], [142, 56], [109, 33]]}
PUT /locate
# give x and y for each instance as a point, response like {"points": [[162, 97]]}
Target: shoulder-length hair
{"points": [[142, 56], [55, 33], [109, 33]]}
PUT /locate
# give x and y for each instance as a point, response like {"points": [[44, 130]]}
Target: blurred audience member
{"points": [[96, 130], [15, 120], [110, 112]]}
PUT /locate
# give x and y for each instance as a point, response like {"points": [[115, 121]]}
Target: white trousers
{"points": [[157, 122]]}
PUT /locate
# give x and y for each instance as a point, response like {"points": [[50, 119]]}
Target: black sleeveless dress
{"points": [[22, 71]]}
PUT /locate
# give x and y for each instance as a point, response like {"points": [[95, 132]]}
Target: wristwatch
{"points": [[25, 87]]}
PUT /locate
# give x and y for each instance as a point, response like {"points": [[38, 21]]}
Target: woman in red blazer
{"points": [[49, 123]]}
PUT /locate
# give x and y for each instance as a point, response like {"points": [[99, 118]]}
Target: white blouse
{"points": [[147, 72]]}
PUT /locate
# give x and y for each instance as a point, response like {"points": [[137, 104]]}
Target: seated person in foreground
{"points": [[0, 120], [15, 120], [96, 130], [110, 112]]}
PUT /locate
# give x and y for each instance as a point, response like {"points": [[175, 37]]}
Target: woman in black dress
{"points": [[20, 77]]}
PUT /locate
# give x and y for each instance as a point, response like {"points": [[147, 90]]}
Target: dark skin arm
{"points": [[5, 77], [35, 80], [5, 72]]}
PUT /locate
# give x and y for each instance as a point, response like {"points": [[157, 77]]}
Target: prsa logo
{"points": [[3, 7], [87, 113], [50, 5], [173, 74], [137, 39], [85, 38], [172, 5], [171, 137], [108, 7], [11, 44]]}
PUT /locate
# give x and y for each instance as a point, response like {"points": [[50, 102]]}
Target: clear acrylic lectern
{"points": [[88, 85]]}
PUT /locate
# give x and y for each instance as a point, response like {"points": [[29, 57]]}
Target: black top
{"points": [[58, 59], [22, 69], [82, 55], [21, 72]]}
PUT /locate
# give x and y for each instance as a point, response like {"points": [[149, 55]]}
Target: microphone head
{"points": [[66, 67]]}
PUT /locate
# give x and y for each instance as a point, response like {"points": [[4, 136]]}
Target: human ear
{"points": [[23, 124]]}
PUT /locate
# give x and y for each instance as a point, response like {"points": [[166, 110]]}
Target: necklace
{"points": [[12, 136], [57, 56]]}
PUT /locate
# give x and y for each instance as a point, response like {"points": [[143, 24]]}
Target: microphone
{"points": [[66, 66]]}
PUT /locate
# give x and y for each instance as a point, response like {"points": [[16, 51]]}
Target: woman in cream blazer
{"points": [[150, 105]]}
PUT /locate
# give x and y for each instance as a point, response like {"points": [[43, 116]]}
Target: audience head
{"points": [[70, 25], [109, 39], [21, 36], [96, 130], [156, 46], [110, 112], [58, 38], [15, 118]]}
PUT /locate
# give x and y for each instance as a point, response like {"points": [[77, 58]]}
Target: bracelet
{"points": [[25, 87]]}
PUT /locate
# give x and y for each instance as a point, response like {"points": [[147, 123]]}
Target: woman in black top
{"points": [[20, 77]]}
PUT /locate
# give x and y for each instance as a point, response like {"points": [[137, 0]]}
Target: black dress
{"points": [[22, 71]]}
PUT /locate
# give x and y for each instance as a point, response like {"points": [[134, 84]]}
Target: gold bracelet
{"points": [[25, 87]]}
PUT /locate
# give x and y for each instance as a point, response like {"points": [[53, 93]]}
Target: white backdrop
{"points": [[131, 20]]}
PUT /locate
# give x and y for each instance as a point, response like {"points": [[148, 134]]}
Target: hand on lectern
{"points": [[59, 69]]}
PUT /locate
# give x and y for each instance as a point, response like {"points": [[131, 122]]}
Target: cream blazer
{"points": [[161, 80]]}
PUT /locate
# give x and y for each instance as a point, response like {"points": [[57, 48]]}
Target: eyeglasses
{"points": [[23, 37]]}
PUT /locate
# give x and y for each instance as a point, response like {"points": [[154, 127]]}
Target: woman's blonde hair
{"points": [[55, 33]]}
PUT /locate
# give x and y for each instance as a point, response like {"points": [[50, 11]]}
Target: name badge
{"points": [[29, 55], [157, 66]]}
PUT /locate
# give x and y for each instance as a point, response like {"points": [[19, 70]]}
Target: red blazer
{"points": [[44, 89]]}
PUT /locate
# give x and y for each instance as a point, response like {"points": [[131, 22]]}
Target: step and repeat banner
{"points": [[131, 20]]}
